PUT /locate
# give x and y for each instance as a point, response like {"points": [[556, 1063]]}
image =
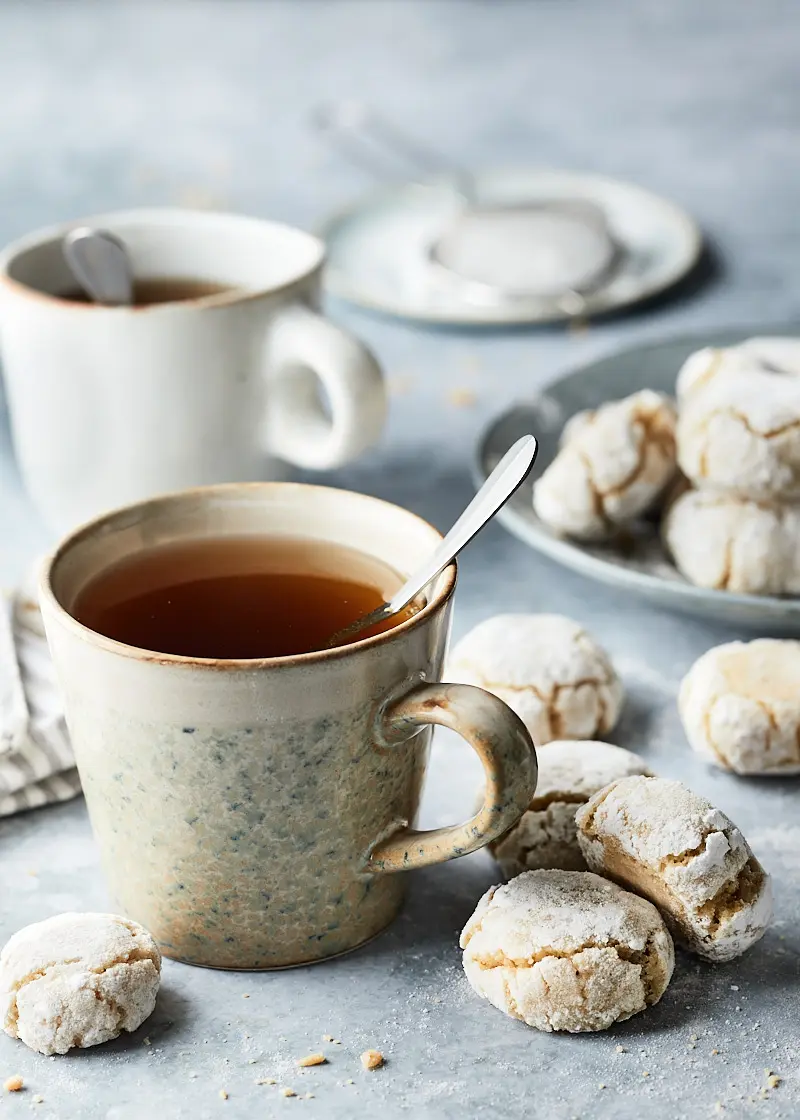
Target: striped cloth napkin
{"points": [[37, 766]]}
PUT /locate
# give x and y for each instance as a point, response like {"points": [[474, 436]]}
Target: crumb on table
{"points": [[13, 1084], [462, 398], [371, 1059], [312, 1060], [288, 1093], [223, 1095]]}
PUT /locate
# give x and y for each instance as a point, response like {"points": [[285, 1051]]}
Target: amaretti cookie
{"points": [[570, 771], [734, 544], [547, 668], [77, 980], [775, 354], [740, 706], [659, 838], [740, 433], [705, 365], [613, 465], [567, 951]]}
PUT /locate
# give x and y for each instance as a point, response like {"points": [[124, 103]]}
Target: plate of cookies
{"points": [[671, 470]]}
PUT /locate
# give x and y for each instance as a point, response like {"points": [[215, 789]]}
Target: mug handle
{"points": [[501, 741], [303, 349]]}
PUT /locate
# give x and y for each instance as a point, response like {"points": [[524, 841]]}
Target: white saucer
{"points": [[378, 250]]}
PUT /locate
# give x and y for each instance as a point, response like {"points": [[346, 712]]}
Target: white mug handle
{"points": [[305, 348]]}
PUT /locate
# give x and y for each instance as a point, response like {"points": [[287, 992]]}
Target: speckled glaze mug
{"points": [[253, 814]]}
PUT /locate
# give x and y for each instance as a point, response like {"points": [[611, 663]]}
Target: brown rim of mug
{"points": [[228, 298], [289, 661]]}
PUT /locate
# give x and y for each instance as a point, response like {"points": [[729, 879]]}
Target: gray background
{"points": [[207, 103]]}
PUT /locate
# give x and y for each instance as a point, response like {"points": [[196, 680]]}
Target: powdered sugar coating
{"points": [[613, 465], [705, 365], [570, 771], [734, 544], [741, 433], [77, 980], [740, 706], [566, 951], [761, 353], [774, 352], [672, 846], [547, 668]]}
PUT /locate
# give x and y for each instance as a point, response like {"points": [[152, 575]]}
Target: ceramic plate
{"points": [[377, 250], [643, 567]]}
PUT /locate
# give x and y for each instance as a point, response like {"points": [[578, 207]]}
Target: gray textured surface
{"points": [[107, 105]]}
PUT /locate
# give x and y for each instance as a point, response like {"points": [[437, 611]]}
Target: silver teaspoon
{"points": [[99, 262], [502, 483]]}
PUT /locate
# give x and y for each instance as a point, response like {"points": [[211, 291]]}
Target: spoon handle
{"points": [[502, 483]]}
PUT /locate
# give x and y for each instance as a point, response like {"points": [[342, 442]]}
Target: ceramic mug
{"points": [[110, 405], [254, 814]]}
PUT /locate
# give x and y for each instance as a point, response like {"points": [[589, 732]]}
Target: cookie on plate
{"points": [[659, 838], [613, 465], [570, 771], [731, 543], [706, 365], [546, 667], [762, 353], [740, 433], [567, 951], [740, 706]]}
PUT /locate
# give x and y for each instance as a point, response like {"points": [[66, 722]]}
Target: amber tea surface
{"points": [[160, 290], [237, 597]]}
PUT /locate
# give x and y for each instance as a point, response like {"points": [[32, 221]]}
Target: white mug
{"points": [[111, 405]]}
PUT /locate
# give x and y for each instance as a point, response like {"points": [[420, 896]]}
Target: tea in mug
{"points": [[160, 290], [238, 597]]}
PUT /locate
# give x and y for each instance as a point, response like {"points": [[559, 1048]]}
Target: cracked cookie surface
{"points": [[570, 771], [613, 465], [740, 706], [674, 847], [739, 431], [732, 543], [546, 667], [771, 354], [567, 951], [77, 980]]}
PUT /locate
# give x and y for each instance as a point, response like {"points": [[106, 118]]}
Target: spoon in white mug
{"points": [[502, 483], [99, 262]]}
